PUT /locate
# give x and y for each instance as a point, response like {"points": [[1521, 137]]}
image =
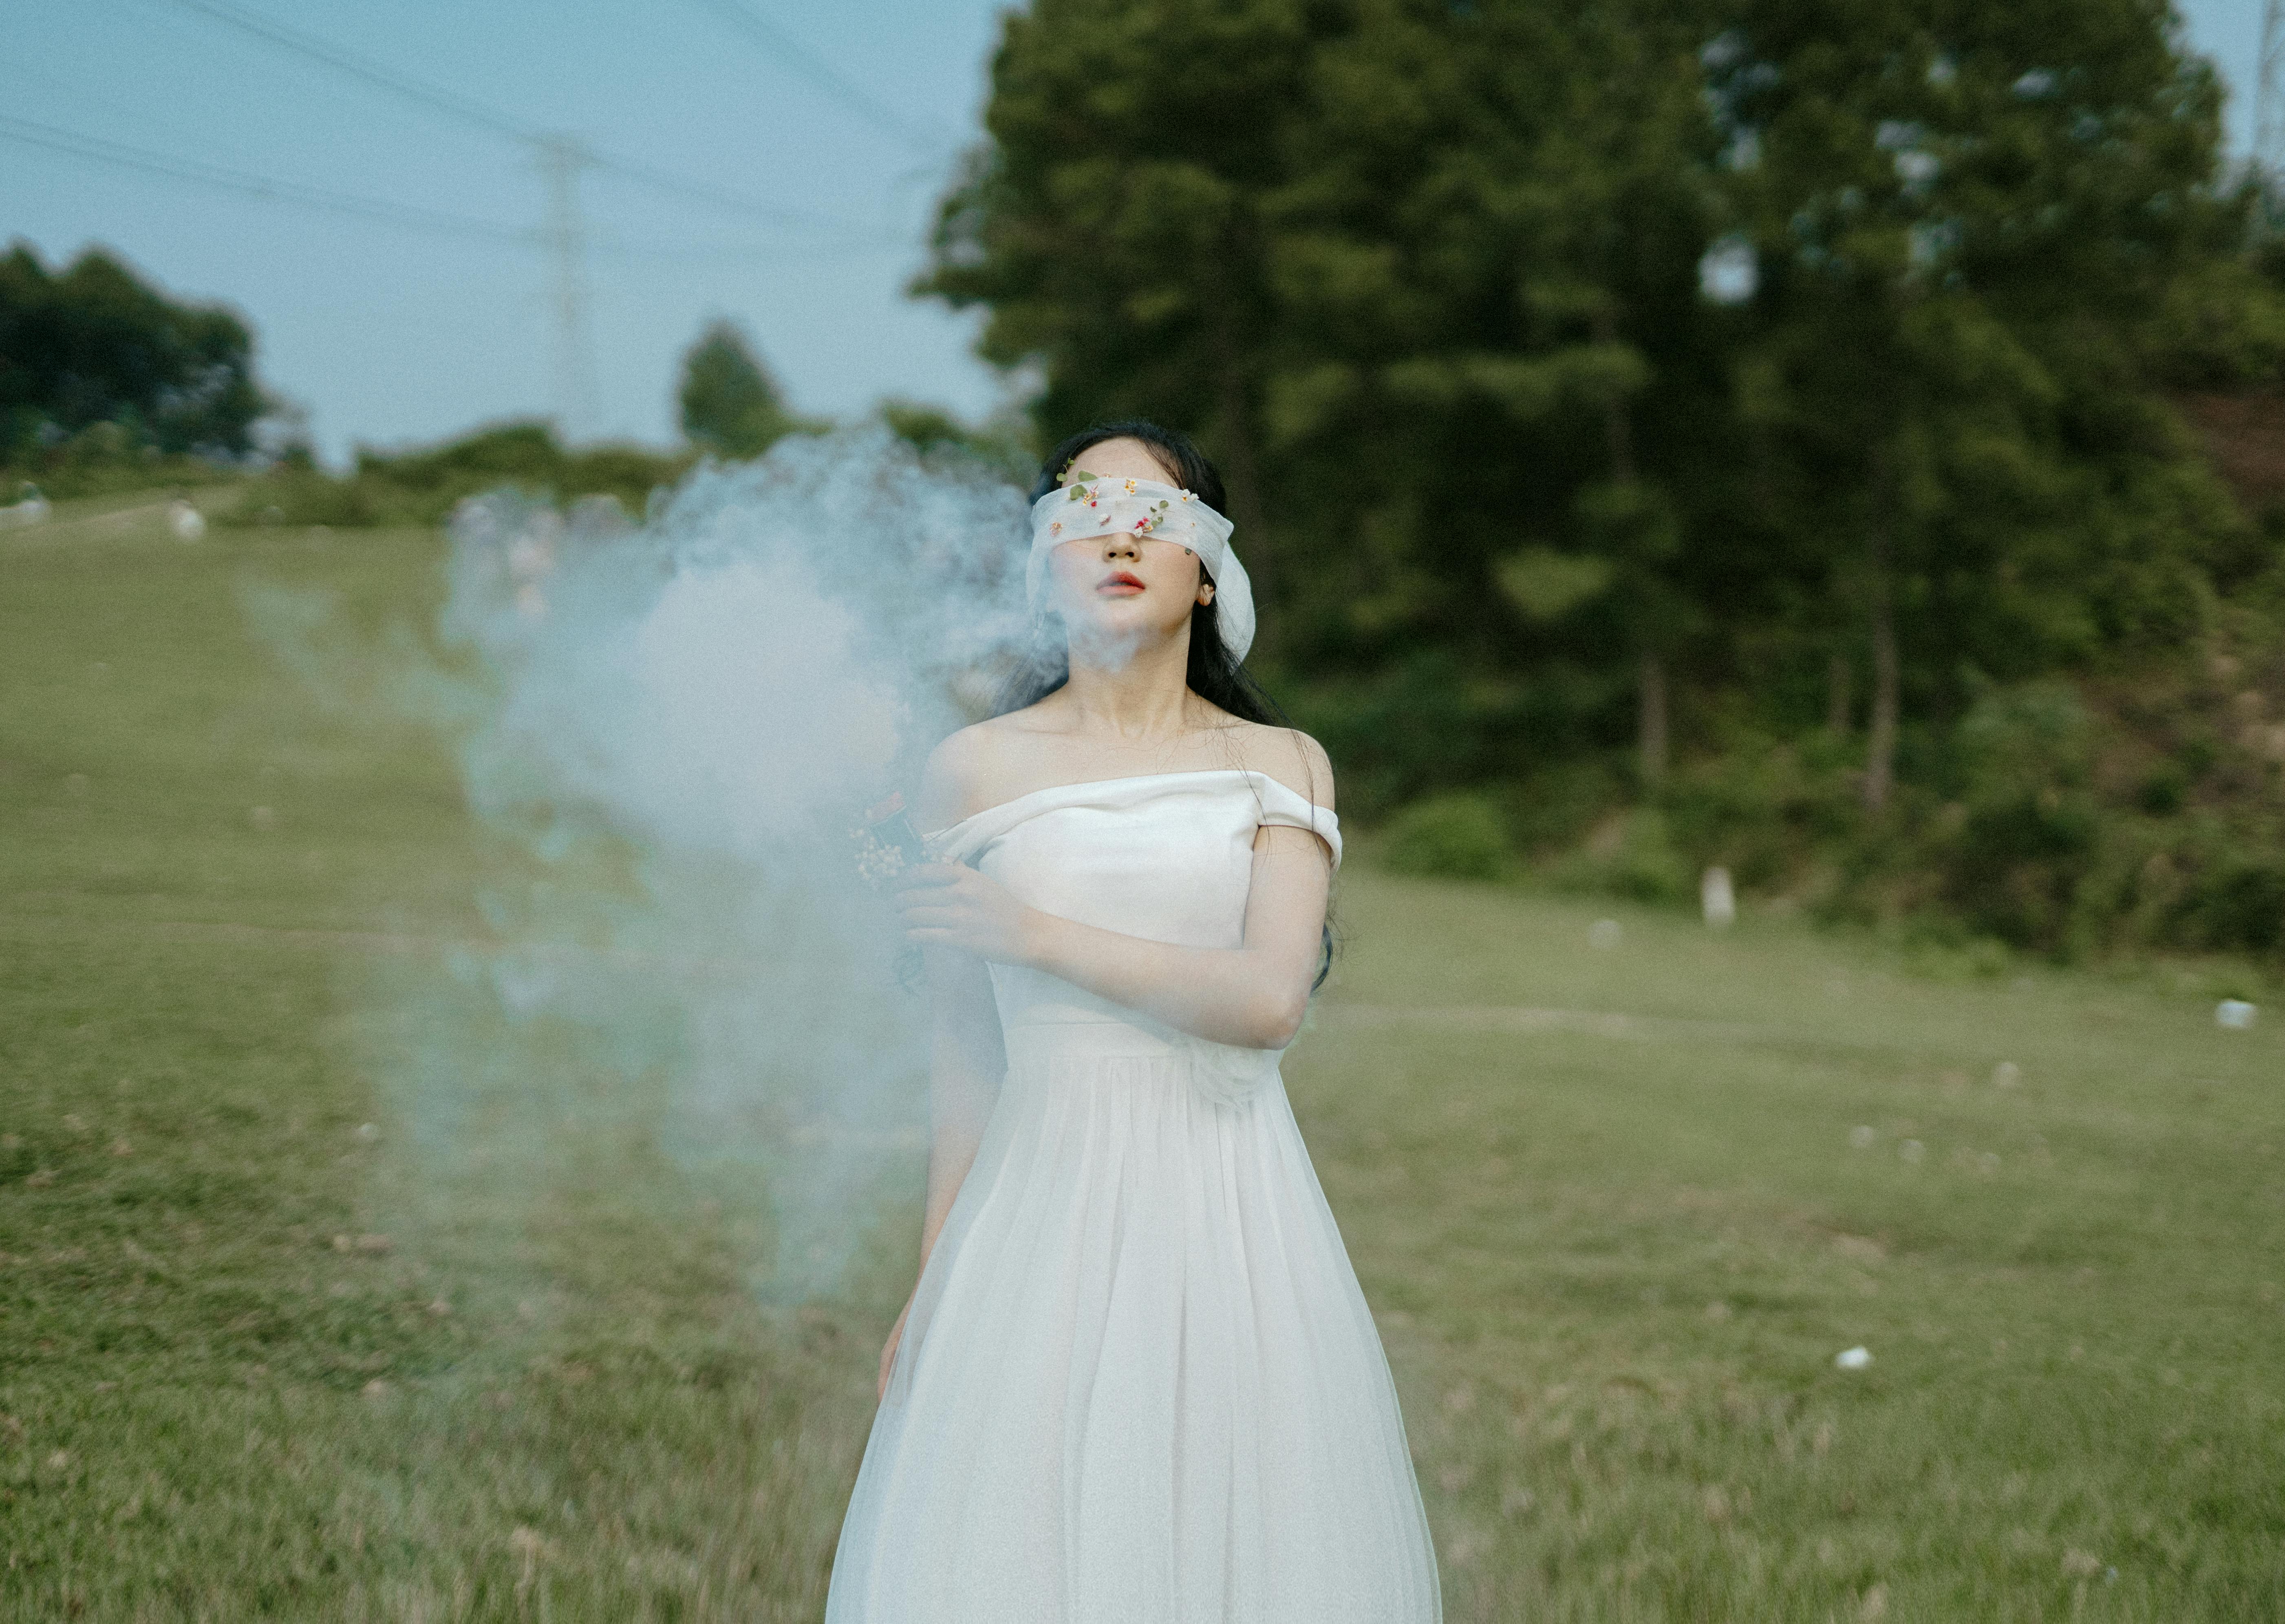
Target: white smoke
{"points": [[669, 729]]}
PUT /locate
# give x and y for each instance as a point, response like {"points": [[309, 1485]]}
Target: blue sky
{"points": [[850, 115]]}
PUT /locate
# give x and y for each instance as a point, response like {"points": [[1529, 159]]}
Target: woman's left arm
{"points": [[1253, 995]]}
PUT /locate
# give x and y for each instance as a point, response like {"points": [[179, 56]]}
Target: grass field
{"points": [[1617, 1208]]}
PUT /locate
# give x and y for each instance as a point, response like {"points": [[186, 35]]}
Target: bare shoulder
{"points": [[968, 773], [957, 778], [1290, 756]]}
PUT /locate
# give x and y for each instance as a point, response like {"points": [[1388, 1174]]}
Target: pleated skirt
{"points": [[1139, 1384]]}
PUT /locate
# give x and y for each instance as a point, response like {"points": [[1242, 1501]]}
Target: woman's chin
{"points": [[1113, 638]]}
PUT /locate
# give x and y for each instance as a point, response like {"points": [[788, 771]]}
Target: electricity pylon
{"points": [[561, 160], [2269, 97]]}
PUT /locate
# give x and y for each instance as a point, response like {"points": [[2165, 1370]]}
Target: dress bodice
{"points": [[1168, 857]]}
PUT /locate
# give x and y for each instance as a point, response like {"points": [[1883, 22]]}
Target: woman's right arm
{"points": [[966, 1057], [966, 1061]]}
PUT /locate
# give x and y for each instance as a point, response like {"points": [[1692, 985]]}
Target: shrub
{"points": [[1453, 837], [1636, 857], [2239, 904], [2031, 832], [422, 486]]}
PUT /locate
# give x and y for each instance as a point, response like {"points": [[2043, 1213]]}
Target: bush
{"points": [[1649, 868], [1761, 804], [1451, 836], [2029, 833], [1424, 725], [1631, 855], [2239, 904], [422, 487], [105, 459]]}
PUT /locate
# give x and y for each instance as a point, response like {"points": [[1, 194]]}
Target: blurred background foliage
{"points": [[1793, 436], [103, 380], [1844, 442]]}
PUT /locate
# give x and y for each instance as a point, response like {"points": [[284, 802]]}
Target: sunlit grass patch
{"points": [[279, 1336], [1617, 1262]]}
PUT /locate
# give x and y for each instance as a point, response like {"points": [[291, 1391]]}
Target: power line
{"points": [[359, 67], [792, 53], [120, 155], [473, 112], [409, 216]]}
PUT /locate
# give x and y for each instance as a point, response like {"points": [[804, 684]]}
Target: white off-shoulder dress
{"points": [[1139, 1384]]}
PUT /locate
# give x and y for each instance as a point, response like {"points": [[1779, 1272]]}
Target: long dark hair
{"points": [[1213, 675]]}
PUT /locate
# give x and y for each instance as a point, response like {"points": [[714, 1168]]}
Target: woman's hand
{"points": [[950, 904]]}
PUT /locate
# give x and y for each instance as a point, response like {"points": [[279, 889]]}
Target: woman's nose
{"points": [[1117, 545]]}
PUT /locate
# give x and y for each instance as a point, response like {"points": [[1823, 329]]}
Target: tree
{"points": [[1113, 223], [731, 404], [1429, 271], [1492, 242], [96, 344], [1645, 371], [1002, 444], [1968, 221]]}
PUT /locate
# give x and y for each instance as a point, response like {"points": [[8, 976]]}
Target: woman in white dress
{"points": [[1136, 1381]]}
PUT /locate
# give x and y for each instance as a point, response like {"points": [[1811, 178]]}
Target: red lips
{"points": [[1117, 579]]}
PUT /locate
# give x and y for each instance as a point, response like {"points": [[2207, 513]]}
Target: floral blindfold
{"points": [[1092, 506]]}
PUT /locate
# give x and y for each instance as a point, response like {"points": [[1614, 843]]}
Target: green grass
{"points": [[256, 1360]]}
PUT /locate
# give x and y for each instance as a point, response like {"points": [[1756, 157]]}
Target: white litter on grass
{"points": [[187, 522], [1604, 933], [1912, 1149], [1861, 1138], [30, 508], [2007, 1074], [1718, 899], [2235, 1014], [1853, 1358]]}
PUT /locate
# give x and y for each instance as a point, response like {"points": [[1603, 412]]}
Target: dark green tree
{"points": [[1416, 268], [1001, 443], [731, 405], [1494, 349], [1649, 370], [1970, 221], [1113, 223], [97, 344]]}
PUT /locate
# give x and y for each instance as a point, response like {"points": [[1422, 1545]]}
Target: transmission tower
{"points": [[2269, 100], [561, 160]]}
